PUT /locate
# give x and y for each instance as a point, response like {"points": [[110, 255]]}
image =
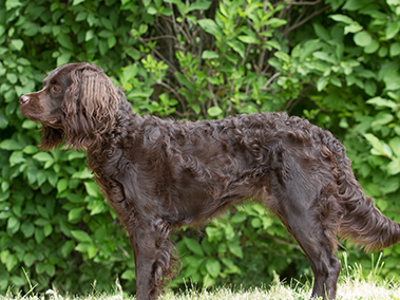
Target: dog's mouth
{"points": [[52, 121]]}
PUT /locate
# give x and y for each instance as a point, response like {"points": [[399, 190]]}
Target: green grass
{"points": [[353, 285], [349, 289]]}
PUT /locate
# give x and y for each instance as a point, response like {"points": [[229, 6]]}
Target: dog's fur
{"points": [[163, 174]]}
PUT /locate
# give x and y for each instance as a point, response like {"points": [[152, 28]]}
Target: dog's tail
{"points": [[362, 222]]}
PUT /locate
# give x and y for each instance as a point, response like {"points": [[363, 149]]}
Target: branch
{"points": [[160, 37], [272, 78], [298, 24], [282, 242], [299, 3]]}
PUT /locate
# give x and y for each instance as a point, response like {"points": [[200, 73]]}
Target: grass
{"points": [[350, 289], [353, 285]]}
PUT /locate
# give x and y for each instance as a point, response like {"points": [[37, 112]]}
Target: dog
{"points": [[159, 175]]}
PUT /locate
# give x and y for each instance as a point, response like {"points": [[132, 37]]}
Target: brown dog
{"points": [[162, 174]]}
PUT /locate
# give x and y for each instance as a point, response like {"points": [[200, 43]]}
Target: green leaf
{"points": [[209, 55], [50, 270], [210, 27], [90, 35], [84, 174], [65, 41], [354, 5], [392, 29], [43, 157], [194, 246], [74, 198], [28, 229], [381, 102], [353, 28], [256, 223], [76, 2], [67, 248], [362, 39], [248, 39], [275, 22], [196, 108], [238, 218], [75, 214], [29, 259], [199, 5], [12, 78], [111, 41], [47, 229], [214, 111], [13, 225], [342, 18], [107, 23], [379, 147], [282, 56], [235, 249], [394, 167], [3, 121], [62, 185], [10, 260], [325, 57], [321, 83], [81, 16], [394, 143], [382, 119], [128, 275], [96, 207], [39, 235], [30, 149], [372, 47], [87, 248], [92, 189], [43, 211], [237, 47], [208, 281], [81, 236], [321, 32], [17, 44], [41, 222], [53, 179], [10, 145], [213, 267], [394, 49], [370, 87], [64, 58], [16, 158], [392, 80], [335, 81]]}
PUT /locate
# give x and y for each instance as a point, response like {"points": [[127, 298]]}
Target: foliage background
{"points": [[335, 62]]}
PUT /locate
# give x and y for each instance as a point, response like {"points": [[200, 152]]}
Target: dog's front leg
{"points": [[152, 250]]}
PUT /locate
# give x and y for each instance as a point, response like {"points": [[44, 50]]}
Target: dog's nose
{"points": [[23, 99]]}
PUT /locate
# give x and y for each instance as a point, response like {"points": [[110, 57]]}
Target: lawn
{"points": [[353, 284], [350, 288]]}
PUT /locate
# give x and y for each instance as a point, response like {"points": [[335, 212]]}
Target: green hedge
{"points": [[334, 62]]}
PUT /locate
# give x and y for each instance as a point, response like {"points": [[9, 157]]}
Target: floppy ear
{"points": [[89, 107], [51, 138]]}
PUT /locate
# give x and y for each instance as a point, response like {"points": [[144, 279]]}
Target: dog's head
{"points": [[78, 103]]}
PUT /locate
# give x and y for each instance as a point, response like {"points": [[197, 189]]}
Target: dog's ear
{"points": [[89, 107], [51, 138]]}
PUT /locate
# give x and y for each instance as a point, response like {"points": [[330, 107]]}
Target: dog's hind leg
{"points": [[312, 224], [324, 264]]}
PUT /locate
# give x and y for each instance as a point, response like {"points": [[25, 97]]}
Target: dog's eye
{"points": [[56, 89]]}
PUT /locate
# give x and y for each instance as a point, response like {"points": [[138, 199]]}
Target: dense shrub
{"points": [[334, 62]]}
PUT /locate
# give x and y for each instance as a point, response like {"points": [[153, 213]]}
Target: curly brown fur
{"points": [[162, 174]]}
